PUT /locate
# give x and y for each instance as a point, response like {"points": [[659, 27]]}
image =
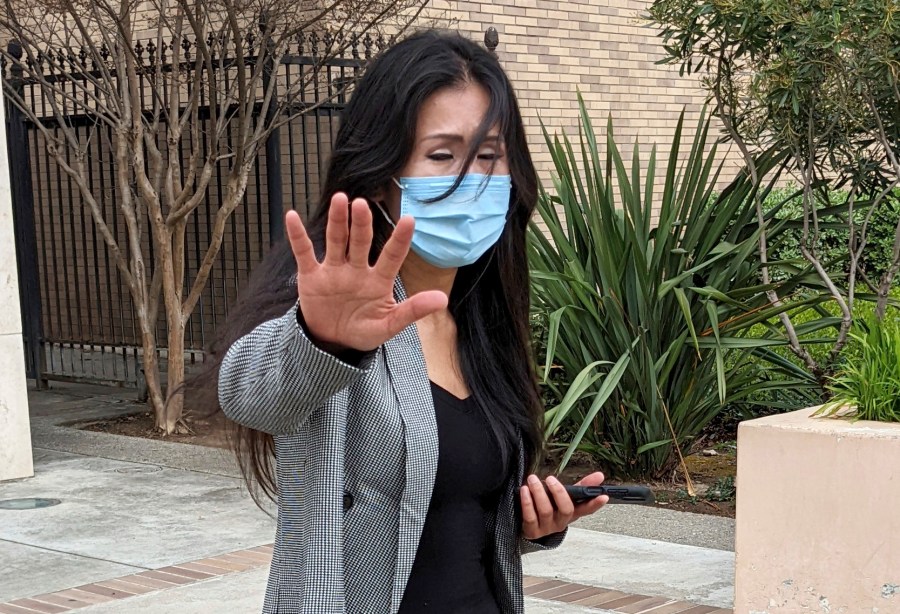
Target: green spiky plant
{"points": [[868, 384], [646, 324]]}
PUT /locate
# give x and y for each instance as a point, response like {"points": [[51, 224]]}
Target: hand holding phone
{"points": [[547, 509]]}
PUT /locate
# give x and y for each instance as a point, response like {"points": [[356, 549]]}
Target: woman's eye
{"points": [[440, 157], [490, 155]]}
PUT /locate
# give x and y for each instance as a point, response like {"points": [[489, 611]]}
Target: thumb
{"points": [[415, 308]]}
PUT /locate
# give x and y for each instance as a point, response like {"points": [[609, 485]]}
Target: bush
{"points": [[834, 235], [820, 318], [646, 328], [780, 399]]}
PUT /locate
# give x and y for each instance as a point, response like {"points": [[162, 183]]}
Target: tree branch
{"points": [[724, 114]]}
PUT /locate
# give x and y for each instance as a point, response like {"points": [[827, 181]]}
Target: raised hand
{"points": [[347, 304]]}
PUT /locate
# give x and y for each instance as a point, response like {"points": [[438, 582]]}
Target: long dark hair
{"points": [[489, 299]]}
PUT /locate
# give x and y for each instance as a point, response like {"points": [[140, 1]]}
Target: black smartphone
{"points": [[622, 494], [617, 494]]}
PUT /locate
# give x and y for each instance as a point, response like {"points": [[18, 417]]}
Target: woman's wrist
{"points": [[341, 352]]}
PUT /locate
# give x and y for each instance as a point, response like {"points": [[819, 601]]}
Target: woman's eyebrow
{"points": [[444, 136], [448, 136]]}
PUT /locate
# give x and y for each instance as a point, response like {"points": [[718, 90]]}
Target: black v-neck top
{"points": [[453, 567]]}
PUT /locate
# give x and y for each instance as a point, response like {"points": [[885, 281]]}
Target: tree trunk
{"points": [[155, 397], [170, 258], [169, 420]]}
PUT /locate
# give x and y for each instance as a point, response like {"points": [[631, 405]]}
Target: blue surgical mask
{"points": [[456, 230]]}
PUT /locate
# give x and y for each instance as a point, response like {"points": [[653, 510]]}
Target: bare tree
{"points": [[175, 89]]}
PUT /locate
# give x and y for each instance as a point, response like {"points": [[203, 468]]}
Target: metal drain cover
{"points": [[139, 469], [31, 503]]}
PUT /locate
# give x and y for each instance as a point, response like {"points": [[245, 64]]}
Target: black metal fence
{"points": [[78, 316]]}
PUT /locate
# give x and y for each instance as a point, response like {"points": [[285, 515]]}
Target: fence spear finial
{"points": [[491, 40]]}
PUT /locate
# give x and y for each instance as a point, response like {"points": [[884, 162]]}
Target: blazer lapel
{"points": [[409, 380]]}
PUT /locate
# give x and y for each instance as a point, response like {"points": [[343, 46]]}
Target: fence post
{"points": [[273, 142], [23, 220], [491, 40]]}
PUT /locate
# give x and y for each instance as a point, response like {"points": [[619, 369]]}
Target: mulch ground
{"points": [[204, 431], [709, 469]]}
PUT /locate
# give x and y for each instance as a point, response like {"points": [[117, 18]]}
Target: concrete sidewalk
{"points": [[174, 525]]}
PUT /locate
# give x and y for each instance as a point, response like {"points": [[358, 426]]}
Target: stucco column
{"points": [[15, 433]]}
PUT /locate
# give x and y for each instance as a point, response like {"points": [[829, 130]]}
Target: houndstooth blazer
{"points": [[356, 454]]}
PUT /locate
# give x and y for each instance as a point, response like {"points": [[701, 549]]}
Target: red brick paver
{"points": [[184, 574], [607, 599], [38, 606]]}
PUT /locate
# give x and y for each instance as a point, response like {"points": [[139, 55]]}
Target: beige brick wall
{"points": [[553, 48]]}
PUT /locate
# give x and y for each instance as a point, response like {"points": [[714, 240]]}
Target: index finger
{"points": [[301, 246], [594, 479]]}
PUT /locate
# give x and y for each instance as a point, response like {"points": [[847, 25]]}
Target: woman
{"points": [[397, 383]]}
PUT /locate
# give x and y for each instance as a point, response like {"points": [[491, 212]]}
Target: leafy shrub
{"points": [[834, 232]]}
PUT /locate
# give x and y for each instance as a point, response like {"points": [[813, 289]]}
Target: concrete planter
{"points": [[818, 516]]}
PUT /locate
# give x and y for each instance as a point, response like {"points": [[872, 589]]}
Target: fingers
{"points": [[338, 230], [360, 233], [395, 250], [539, 518], [589, 507], [301, 246], [561, 498], [594, 479], [542, 504], [531, 528]]}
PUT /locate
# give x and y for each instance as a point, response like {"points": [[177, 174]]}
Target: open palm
{"points": [[345, 302]]}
